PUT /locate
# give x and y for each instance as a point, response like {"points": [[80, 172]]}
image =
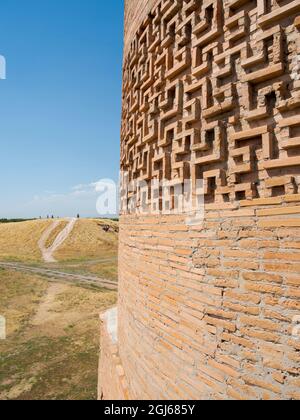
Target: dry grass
{"points": [[19, 241], [55, 233], [106, 268], [89, 240], [52, 347], [18, 298]]}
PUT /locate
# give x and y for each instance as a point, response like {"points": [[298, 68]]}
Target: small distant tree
{"points": [[78, 216]]}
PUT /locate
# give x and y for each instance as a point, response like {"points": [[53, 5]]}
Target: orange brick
{"points": [[229, 371], [283, 256], [259, 334], [230, 326], [238, 340], [282, 267], [264, 288], [243, 297], [243, 265], [261, 323], [263, 277], [278, 377], [262, 384], [239, 254], [252, 310]]}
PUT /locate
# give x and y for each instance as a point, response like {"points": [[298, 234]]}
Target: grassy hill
{"points": [[19, 241], [90, 239]]}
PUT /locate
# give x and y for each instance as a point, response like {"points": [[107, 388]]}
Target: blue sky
{"points": [[60, 105]]}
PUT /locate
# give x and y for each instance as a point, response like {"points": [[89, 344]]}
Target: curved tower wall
{"points": [[209, 309]]}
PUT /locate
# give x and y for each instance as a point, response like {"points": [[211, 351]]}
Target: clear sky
{"points": [[60, 105]]}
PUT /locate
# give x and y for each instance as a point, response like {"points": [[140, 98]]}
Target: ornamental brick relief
{"points": [[211, 90]]}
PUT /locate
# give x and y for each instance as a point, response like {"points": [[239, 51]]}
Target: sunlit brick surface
{"points": [[211, 90]]}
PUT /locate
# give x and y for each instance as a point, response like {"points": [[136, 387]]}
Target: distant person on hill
{"points": [[78, 216]]}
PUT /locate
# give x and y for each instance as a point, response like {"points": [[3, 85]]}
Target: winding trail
{"points": [[60, 275], [47, 253], [53, 274]]}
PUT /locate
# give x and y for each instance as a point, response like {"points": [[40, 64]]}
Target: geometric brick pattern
{"points": [[211, 90]]}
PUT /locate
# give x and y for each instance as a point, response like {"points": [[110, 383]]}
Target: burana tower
{"points": [[211, 91]]}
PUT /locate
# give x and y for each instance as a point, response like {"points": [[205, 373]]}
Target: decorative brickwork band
{"points": [[212, 91]]}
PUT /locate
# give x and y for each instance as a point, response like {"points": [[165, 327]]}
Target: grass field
{"points": [[19, 241], [89, 240], [52, 345], [91, 248]]}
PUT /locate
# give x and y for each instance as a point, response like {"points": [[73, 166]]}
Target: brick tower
{"points": [[209, 310]]}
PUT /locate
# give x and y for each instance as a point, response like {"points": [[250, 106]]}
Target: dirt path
{"points": [[46, 309], [48, 252], [45, 236], [59, 275], [52, 347]]}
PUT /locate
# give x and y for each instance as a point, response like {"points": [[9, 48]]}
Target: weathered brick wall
{"points": [[206, 312], [112, 381], [211, 91]]}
